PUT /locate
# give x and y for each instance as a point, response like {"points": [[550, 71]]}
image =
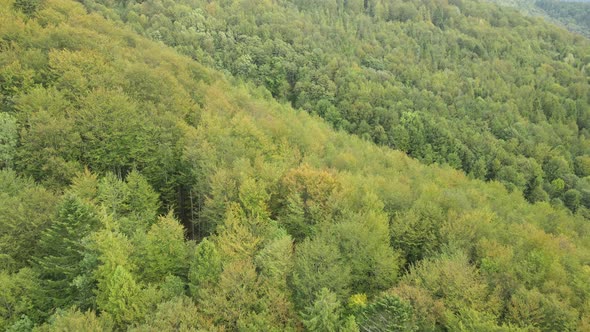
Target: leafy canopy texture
{"points": [[142, 189], [478, 87]]}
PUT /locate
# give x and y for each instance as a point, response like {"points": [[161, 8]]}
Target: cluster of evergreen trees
{"points": [[143, 191]]}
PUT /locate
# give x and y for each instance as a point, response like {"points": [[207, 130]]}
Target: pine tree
{"points": [[141, 201], [61, 250], [324, 314]]}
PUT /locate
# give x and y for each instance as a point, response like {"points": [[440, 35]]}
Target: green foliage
{"points": [[205, 268], [365, 246], [164, 251], [85, 186], [236, 240], [61, 248], [387, 313], [23, 324], [112, 145], [8, 140], [50, 142], [234, 300], [133, 201], [429, 313], [111, 193], [529, 308], [582, 166], [75, 320], [109, 250], [27, 7], [274, 264], [25, 213], [305, 200], [178, 314], [414, 235], [122, 298], [318, 265], [471, 320], [19, 295], [278, 219], [436, 94], [574, 15], [455, 281], [253, 198], [572, 199], [349, 325], [141, 202], [324, 314], [275, 261]]}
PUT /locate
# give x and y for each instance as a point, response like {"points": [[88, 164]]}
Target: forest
{"points": [[571, 14], [575, 15], [480, 88], [290, 166]]}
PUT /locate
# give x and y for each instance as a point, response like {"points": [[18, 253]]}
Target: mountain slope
{"points": [[306, 227], [469, 84], [574, 15]]}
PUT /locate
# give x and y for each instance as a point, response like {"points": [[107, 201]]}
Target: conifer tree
{"points": [[61, 250], [324, 314], [141, 201], [205, 269]]}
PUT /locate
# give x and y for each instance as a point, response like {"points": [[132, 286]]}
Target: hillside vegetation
{"points": [[143, 191], [572, 14], [478, 87]]}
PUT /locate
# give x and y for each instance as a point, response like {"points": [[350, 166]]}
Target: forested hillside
{"points": [[575, 15], [478, 87], [142, 191], [572, 14]]}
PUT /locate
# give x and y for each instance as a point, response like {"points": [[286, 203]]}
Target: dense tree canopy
{"points": [[141, 190], [463, 83], [572, 14]]}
